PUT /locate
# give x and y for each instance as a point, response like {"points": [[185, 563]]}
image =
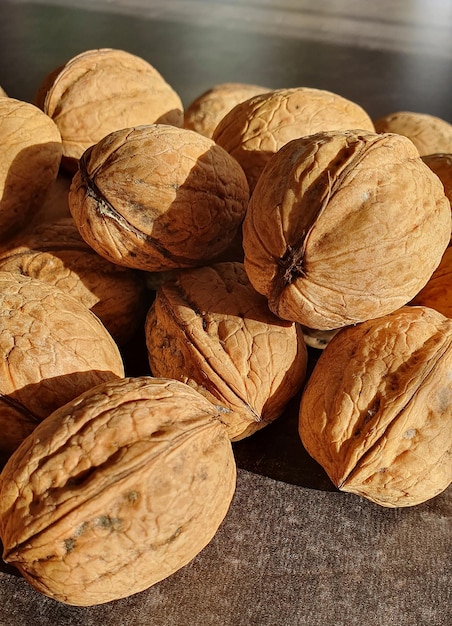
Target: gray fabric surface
{"points": [[286, 556]]}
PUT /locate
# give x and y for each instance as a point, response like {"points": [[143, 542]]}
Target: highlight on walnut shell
{"points": [[55, 253], [430, 134], [256, 129], [99, 91], [344, 226], [52, 348], [376, 412], [205, 112], [210, 329], [30, 156], [157, 198], [116, 490], [437, 293]]}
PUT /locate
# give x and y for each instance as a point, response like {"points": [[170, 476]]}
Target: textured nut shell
{"points": [[208, 109], [55, 253], [2, 92], [437, 293], [99, 91], [376, 412], [343, 227], [55, 205], [52, 348], [257, 128], [30, 155], [429, 134], [116, 490], [441, 164], [210, 329], [158, 197]]}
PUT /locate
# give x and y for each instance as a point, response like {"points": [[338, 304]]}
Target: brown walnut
{"points": [[344, 226], [52, 348], [30, 156], [209, 328], [430, 134], [376, 412], [437, 293], [116, 490], [55, 253], [256, 129], [158, 197], [208, 109], [99, 91]]}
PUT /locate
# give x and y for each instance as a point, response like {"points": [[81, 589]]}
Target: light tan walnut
{"points": [[209, 328], [30, 156], [55, 253], [52, 348], [376, 412], [256, 129], [116, 490], [344, 226], [158, 197], [99, 91], [207, 110], [430, 134], [437, 293]]}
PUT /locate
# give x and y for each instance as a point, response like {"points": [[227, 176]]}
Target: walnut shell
{"points": [[52, 348], [30, 155], [158, 197], [208, 109], [55, 253], [116, 490], [437, 293], [441, 164], [100, 91], [344, 226], [429, 134], [255, 130], [2, 92], [376, 412], [209, 328]]}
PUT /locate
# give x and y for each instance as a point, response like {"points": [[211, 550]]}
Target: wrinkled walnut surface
{"points": [[209, 328], [116, 490], [30, 156], [376, 412], [55, 253], [158, 197], [207, 110], [437, 293], [99, 91], [255, 129], [52, 348], [430, 134], [344, 226]]}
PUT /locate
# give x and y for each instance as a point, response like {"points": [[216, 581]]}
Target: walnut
{"points": [[116, 490], [376, 412], [2, 92], [158, 197], [255, 129], [437, 293], [99, 91], [441, 165], [208, 109], [54, 252], [344, 226], [52, 348], [30, 151], [210, 329], [430, 134]]}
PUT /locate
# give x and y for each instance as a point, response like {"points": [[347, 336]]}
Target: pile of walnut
{"points": [[234, 234]]}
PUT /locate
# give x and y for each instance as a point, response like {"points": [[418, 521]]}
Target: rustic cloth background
{"points": [[285, 555]]}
